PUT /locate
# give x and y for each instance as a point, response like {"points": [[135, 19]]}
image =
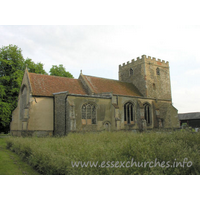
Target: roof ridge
{"points": [[53, 76], [104, 78]]}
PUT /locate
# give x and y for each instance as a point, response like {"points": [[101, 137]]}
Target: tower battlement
{"points": [[149, 60], [150, 75]]}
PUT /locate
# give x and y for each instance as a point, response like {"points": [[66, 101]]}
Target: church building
{"points": [[139, 100]]}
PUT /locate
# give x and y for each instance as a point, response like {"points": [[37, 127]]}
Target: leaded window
{"points": [[131, 71], [128, 113], [158, 71], [93, 115], [84, 112], [147, 115], [88, 114]]}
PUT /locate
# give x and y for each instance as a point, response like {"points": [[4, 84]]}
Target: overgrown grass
{"points": [[11, 164], [54, 155]]}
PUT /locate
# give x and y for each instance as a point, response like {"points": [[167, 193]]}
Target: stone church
{"points": [[139, 100]]}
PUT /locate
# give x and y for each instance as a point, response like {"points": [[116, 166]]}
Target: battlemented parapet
{"points": [[144, 58], [150, 75]]}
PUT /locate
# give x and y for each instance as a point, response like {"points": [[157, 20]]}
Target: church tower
{"points": [[149, 75]]}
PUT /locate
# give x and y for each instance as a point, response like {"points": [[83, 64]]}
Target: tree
{"points": [[34, 68], [12, 67], [60, 71], [11, 74]]}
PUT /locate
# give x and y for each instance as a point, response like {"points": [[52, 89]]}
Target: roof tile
{"points": [[46, 85], [102, 85]]}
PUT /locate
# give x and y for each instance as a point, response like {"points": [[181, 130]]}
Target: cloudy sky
{"points": [[168, 30], [98, 51]]}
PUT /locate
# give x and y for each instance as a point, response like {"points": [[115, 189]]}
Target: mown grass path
{"points": [[11, 163]]}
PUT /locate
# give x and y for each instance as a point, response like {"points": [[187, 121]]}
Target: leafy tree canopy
{"points": [[11, 73], [34, 68], [60, 71], [12, 67]]}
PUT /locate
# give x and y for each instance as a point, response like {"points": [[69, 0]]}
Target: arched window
{"points": [[128, 113], [23, 101], [147, 113], [88, 114], [158, 71], [154, 86], [107, 126], [131, 71]]}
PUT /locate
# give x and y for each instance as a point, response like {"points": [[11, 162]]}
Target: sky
{"points": [[97, 36], [98, 50]]}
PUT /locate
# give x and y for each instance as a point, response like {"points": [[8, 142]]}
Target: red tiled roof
{"points": [[46, 85], [102, 85]]}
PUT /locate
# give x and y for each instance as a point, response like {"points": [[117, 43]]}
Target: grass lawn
{"points": [[11, 163]]}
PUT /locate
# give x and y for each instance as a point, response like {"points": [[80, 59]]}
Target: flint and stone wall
{"points": [[144, 76], [68, 113], [110, 114], [60, 113]]}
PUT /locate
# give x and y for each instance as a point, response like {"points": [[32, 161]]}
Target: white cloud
{"points": [[187, 99], [193, 72], [98, 50]]}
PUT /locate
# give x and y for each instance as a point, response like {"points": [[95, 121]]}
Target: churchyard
{"points": [[109, 153]]}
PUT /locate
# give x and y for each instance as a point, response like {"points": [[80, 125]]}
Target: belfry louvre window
{"points": [[88, 114], [128, 113], [158, 71], [147, 115], [131, 71]]}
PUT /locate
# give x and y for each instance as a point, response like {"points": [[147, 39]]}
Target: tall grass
{"points": [[11, 163], [54, 155]]}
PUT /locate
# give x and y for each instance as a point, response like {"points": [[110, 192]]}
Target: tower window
{"points": [[158, 71], [154, 86], [147, 115], [88, 114], [128, 113], [131, 71]]}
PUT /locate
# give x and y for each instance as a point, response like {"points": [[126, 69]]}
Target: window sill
{"points": [[89, 124], [132, 123]]}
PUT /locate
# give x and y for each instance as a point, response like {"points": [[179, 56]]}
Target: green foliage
{"points": [[5, 113], [54, 155], [11, 73], [12, 67], [60, 71], [34, 68]]}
